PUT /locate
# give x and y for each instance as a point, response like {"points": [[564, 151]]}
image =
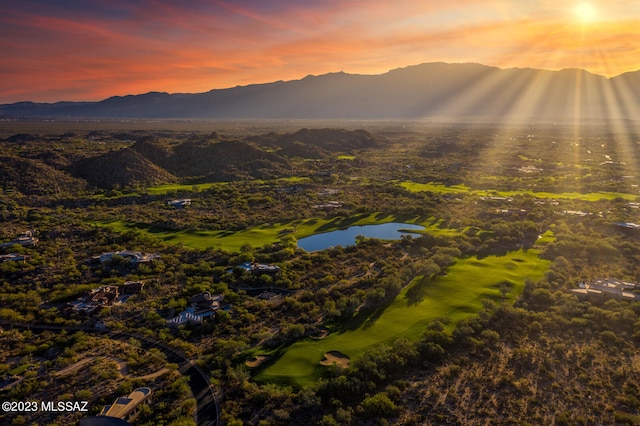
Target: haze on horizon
{"points": [[88, 51]]}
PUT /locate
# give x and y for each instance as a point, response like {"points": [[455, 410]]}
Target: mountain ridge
{"points": [[150, 160], [429, 90]]}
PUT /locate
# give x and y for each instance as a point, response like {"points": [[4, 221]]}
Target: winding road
{"points": [[207, 407]]}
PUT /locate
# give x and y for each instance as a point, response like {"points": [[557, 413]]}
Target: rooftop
{"points": [[611, 287], [26, 239], [125, 405]]}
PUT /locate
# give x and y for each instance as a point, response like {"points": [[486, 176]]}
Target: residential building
{"points": [[123, 411], [133, 287], [26, 239], [135, 257], [100, 297], [202, 306], [14, 257], [258, 268], [607, 288], [178, 204]]}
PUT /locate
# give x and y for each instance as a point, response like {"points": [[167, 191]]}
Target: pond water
{"points": [[347, 237]]}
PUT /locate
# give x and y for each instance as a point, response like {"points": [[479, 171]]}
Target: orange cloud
{"points": [[104, 50]]}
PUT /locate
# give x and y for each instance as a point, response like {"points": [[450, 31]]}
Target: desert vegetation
{"points": [[471, 320]]}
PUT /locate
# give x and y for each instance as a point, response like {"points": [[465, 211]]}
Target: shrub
{"points": [[379, 405]]}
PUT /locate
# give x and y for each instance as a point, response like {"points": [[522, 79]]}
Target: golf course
{"points": [[457, 295], [260, 235]]}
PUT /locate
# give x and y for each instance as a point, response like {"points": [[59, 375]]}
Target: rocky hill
{"points": [[125, 167], [105, 161], [153, 150], [316, 143], [33, 177], [148, 161], [212, 158]]}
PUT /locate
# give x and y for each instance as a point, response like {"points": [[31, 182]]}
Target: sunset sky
{"points": [[83, 50]]}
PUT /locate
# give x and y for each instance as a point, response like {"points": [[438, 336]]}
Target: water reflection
{"points": [[347, 237]]}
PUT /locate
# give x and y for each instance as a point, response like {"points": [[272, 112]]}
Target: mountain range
{"points": [[432, 91]]}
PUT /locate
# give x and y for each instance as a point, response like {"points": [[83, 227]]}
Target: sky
{"points": [[89, 50]]}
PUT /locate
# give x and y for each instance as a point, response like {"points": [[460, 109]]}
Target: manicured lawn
{"points": [[225, 240], [457, 295], [260, 235], [164, 189], [458, 189], [436, 227], [435, 187], [546, 238]]}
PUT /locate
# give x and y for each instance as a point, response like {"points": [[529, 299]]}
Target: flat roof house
{"points": [[124, 410]]}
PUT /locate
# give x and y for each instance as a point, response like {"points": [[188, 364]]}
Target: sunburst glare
{"points": [[586, 12]]}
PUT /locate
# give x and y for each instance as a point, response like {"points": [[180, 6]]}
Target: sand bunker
{"points": [[256, 360], [335, 358], [321, 333]]}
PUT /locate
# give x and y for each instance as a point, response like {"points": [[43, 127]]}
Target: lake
{"points": [[347, 237]]}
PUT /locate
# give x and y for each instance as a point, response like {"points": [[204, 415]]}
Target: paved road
{"points": [[207, 409], [203, 392]]}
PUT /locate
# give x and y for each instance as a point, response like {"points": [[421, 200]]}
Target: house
{"points": [[133, 287], [26, 239], [135, 257], [257, 268], [328, 206], [606, 288], [14, 257], [100, 297], [628, 225], [187, 316], [264, 268], [178, 204], [512, 212], [202, 306], [496, 198], [123, 411], [206, 300], [575, 213], [104, 296], [326, 192]]}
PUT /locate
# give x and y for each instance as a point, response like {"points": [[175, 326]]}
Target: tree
{"points": [[379, 405]]}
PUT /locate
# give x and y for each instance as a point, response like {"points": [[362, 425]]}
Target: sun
{"points": [[585, 12]]}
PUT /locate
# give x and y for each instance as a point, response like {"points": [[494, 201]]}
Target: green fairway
{"points": [[225, 240], [260, 235], [347, 157], [164, 189], [459, 189], [457, 295], [435, 187]]}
